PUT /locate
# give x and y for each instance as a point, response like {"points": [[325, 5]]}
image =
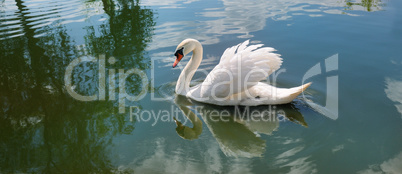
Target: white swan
{"points": [[236, 79]]}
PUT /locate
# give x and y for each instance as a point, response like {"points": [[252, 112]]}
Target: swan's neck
{"points": [[183, 83]]}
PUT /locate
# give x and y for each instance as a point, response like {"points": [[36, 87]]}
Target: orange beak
{"points": [[178, 58]]}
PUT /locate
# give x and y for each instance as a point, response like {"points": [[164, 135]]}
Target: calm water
{"points": [[349, 120]]}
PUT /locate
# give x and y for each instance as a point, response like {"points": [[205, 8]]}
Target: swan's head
{"points": [[185, 47]]}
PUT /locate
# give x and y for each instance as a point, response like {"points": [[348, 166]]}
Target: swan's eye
{"points": [[179, 51]]}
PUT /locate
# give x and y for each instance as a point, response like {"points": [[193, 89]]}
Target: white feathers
{"points": [[236, 79], [240, 67]]}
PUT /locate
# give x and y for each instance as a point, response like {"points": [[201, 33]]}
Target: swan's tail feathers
{"points": [[305, 86], [299, 90]]}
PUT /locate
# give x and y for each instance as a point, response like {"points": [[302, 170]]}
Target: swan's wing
{"points": [[240, 67]]}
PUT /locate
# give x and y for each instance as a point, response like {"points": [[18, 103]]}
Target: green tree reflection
{"points": [[369, 5], [42, 128]]}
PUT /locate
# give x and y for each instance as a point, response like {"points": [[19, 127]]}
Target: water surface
{"points": [[45, 129]]}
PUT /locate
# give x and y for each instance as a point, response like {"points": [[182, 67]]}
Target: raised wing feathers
{"points": [[240, 67]]}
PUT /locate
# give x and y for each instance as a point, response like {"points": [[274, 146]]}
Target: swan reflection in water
{"points": [[236, 129]]}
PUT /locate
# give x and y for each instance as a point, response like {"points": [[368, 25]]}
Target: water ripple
{"points": [[18, 17]]}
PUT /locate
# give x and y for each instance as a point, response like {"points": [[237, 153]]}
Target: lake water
{"points": [[348, 121]]}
